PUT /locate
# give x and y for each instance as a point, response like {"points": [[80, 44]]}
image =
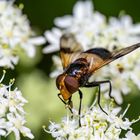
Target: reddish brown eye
{"points": [[59, 80], [71, 84]]}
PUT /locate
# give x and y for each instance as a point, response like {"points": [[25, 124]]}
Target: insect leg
{"points": [[69, 102], [95, 83], [110, 89], [98, 83], [99, 97], [59, 95], [81, 96]]}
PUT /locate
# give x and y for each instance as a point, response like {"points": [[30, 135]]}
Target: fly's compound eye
{"points": [[71, 84], [59, 80]]}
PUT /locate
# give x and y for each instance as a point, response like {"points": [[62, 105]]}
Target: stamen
{"points": [[134, 121], [10, 84], [4, 72], [44, 127], [125, 110]]}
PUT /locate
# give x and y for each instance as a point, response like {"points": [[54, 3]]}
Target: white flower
{"points": [[95, 124], [7, 57], [131, 136], [12, 114], [15, 33], [2, 127], [54, 39], [80, 11], [16, 125], [91, 29], [82, 18], [16, 101]]}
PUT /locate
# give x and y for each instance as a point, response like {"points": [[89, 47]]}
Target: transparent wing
{"points": [[70, 49]]}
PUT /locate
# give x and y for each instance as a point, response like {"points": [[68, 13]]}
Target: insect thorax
{"points": [[79, 70]]}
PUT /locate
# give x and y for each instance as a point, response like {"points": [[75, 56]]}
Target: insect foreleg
{"points": [[69, 102]]}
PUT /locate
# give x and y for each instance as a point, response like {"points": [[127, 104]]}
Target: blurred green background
{"points": [[32, 75]]}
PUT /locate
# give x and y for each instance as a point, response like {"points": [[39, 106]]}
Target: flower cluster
{"points": [[95, 125], [15, 34], [92, 29], [12, 114]]}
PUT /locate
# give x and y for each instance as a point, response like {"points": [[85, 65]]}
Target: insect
{"points": [[79, 65]]}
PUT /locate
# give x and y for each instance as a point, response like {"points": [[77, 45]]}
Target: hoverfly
{"points": [[79, 65]]}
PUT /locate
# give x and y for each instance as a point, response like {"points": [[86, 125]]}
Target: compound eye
{"points": [[71, 84], [59, 80]]}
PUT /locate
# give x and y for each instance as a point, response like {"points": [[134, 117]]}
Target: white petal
{"points": [[51, 37], [2, 132], [50, 49], [37, 40], [17, 134], [126, 20], [26, 132], [30, 50], [83, 9], [63, 22]]}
